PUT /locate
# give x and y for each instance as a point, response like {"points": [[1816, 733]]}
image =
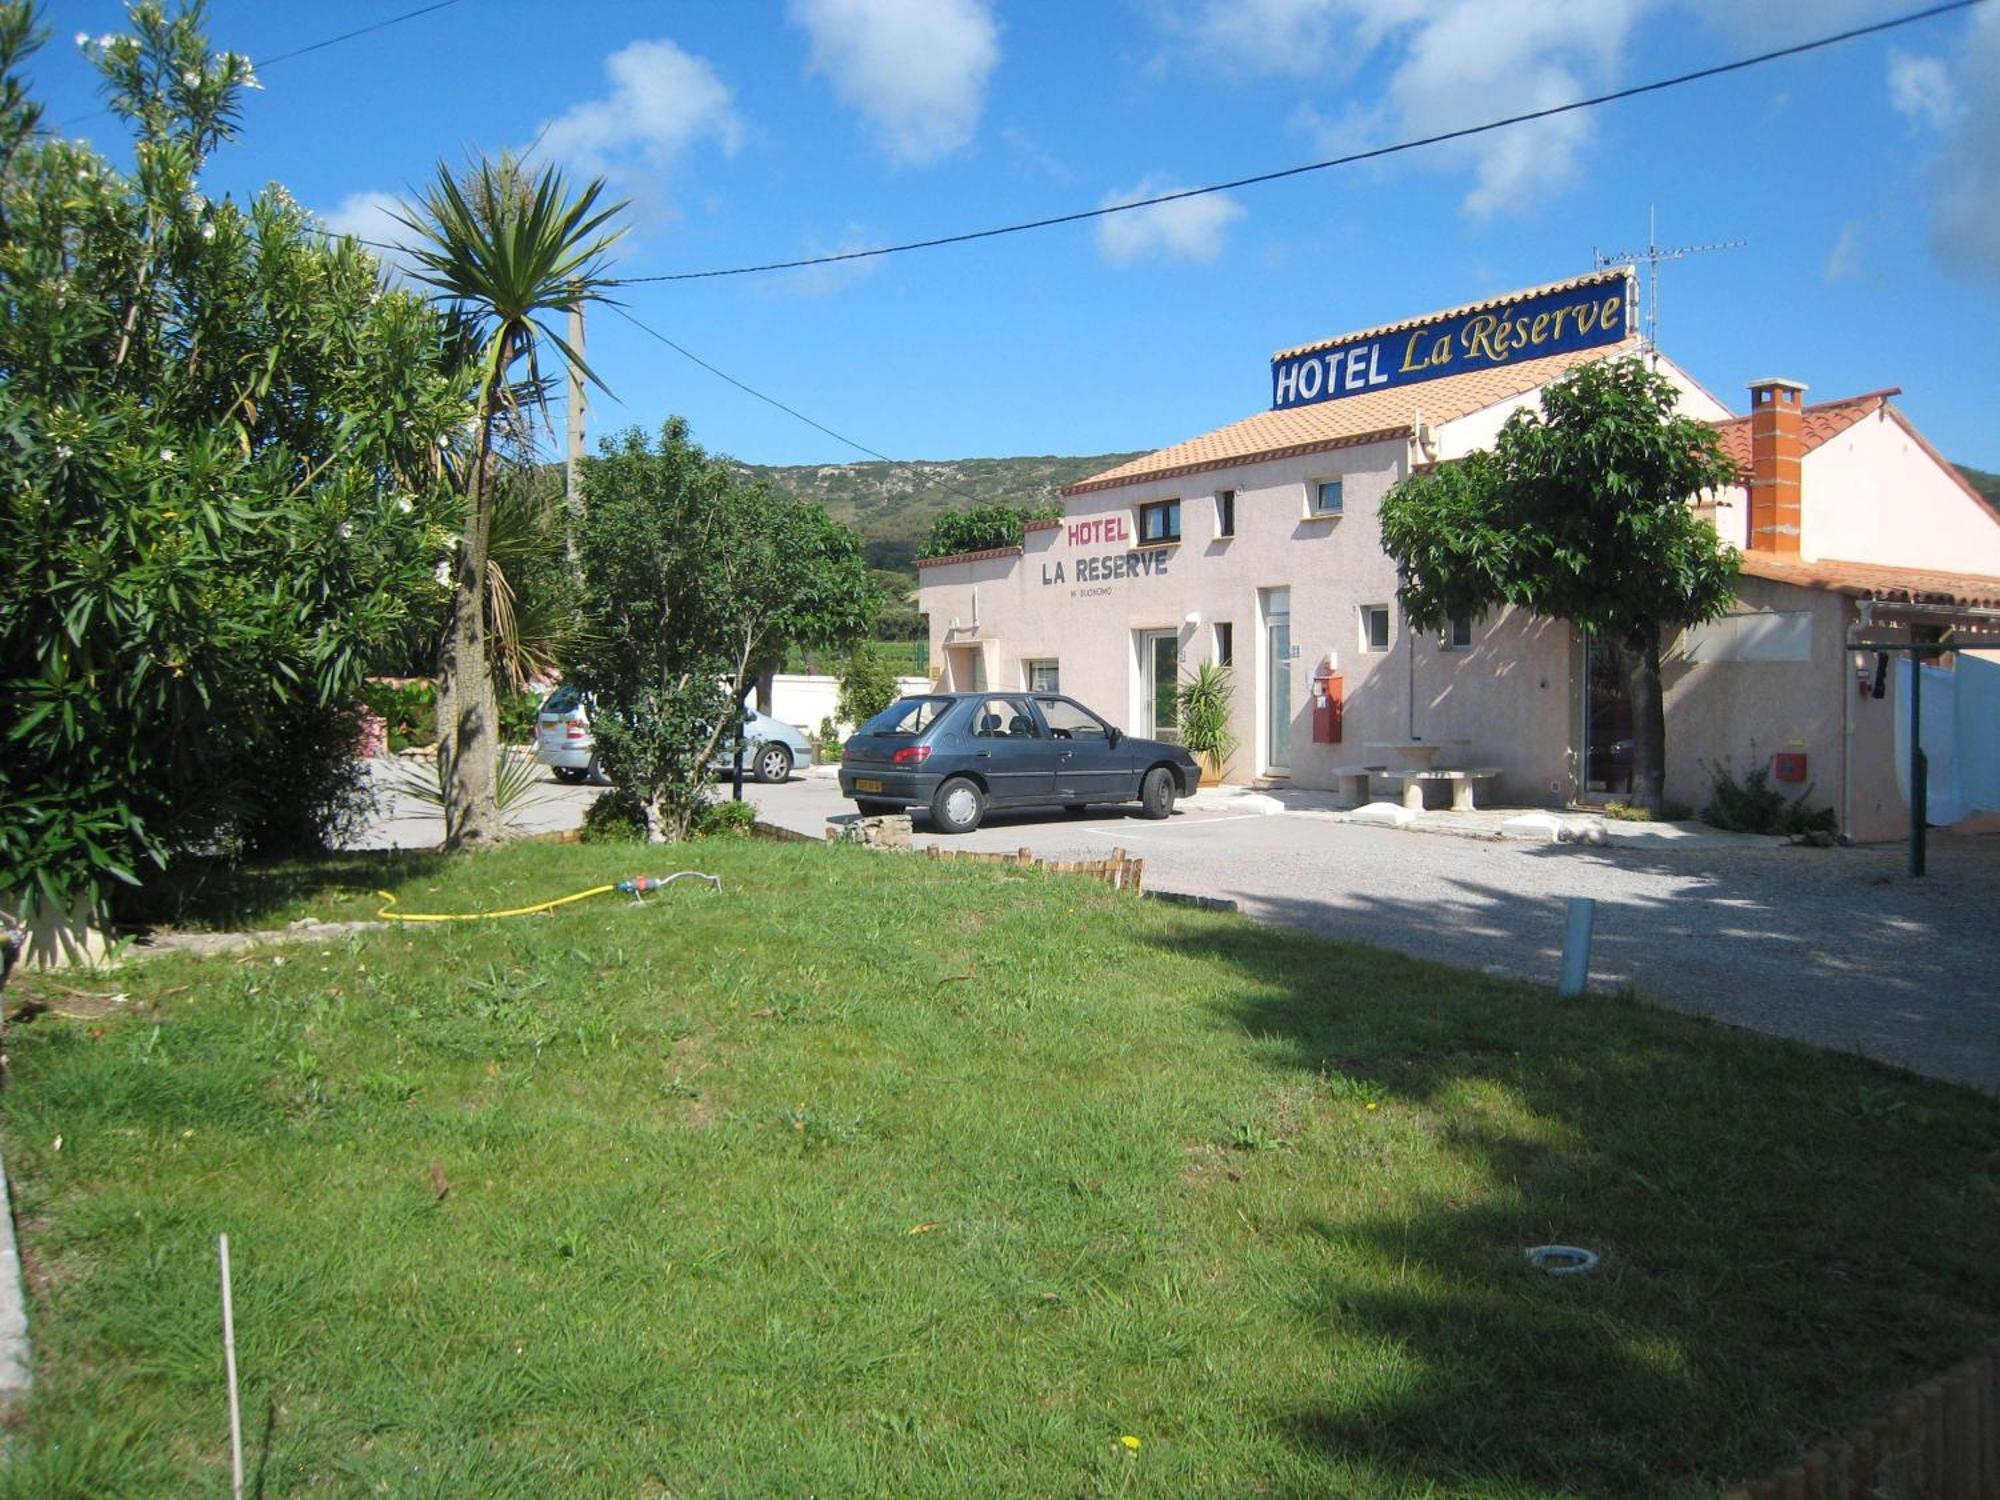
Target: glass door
{"points": [[1278, 680], [1163, 672], [1607, 719]]}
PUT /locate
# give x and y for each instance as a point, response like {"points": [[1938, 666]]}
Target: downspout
{"points": [[1845, 664]]}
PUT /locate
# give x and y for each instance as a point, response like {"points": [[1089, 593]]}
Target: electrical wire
{"points": [[747, 390], [259, 64], [1374, 154]]}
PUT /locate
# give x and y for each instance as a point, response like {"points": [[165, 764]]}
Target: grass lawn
{"points": [[875, 1176]]}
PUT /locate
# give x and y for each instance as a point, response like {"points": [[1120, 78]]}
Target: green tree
{"points": [[1582, 512], [219, 483], [982, 526], [691, 583], [505, 253], [867, 686]]}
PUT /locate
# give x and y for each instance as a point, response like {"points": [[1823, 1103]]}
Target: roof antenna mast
{"points": [[1652, 256]]}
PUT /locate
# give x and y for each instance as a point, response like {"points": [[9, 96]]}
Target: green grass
{"points": [[1253, 1198]]}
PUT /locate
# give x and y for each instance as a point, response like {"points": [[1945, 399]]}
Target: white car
{"points": [[772, 749]]}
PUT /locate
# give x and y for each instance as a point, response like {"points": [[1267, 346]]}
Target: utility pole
{"points": [[1652, 256], [573, 481]]}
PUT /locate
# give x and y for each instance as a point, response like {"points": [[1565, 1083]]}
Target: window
{"points": [[1326, 497], [1457, 634], [1004, 719], [906, 716], [1374, 627], [1225, 513], [1160, 522], [1043, 676], [1225, 644], [1068, 721], [1783, 635]]}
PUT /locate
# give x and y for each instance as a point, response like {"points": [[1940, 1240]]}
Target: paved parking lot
{"points": [[1832, 946]]}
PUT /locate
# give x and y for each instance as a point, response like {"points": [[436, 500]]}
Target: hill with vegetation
{"points": [[1987, 484], [892, 504]]}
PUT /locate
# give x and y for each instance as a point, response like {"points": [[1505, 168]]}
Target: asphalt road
{"points": [[1831, 946]]}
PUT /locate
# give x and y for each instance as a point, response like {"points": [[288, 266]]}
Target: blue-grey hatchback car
{"points": [[957, 754]]}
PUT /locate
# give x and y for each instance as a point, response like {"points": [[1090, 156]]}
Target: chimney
{"points": [[1777, 444]]}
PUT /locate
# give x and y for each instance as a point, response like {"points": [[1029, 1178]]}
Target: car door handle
{"points": [[982, 754]]}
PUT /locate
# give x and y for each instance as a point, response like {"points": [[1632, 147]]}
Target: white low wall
{"points": [[803, 700]]}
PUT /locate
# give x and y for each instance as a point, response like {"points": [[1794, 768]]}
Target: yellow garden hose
{"points": [[635, 887]]}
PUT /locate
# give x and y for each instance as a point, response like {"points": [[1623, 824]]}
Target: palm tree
{"points": [[505, 252]]}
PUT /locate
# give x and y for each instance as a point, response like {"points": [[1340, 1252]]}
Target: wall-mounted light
{"points": [[1194, 617]]}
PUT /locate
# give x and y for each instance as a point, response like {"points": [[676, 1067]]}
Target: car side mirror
{"points": [[1112, 736]]}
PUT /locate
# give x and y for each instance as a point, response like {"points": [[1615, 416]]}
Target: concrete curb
{"points": [[16, 1359]]}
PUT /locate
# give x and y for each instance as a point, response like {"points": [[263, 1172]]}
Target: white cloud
{"points": [[1843, 261], [1444, 65], [915, 69], [1965, 223], [1920, 90], [371, 215], [1189, 229], [662, 101]]}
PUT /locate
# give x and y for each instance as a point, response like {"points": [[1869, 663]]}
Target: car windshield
{"points": [[562, 701], [907, 716]]}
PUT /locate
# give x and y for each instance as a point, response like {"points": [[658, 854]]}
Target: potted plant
{"points": [[1201, 713]]}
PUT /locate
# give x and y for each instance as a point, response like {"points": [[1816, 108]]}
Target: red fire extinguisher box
{"points": [[1789, 765], [1327, 704]]}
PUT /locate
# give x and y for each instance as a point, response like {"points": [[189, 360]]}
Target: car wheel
{"points": [[773, 764], [567, 773], [958, 806], [594, 773], [868, 807], [1156, 793], [1074, 809]]}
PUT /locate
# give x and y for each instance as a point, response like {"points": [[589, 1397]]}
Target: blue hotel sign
{"points": [[1560, 322]]}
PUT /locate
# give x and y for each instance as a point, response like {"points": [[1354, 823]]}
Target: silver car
{"points": [[772, 749]]}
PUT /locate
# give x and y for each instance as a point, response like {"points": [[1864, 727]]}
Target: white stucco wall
{"points": [[1873, 495], [1504, 703]]}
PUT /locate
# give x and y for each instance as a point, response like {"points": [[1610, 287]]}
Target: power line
{"points": [[689, 354], [258, 65], [348, 36], [1376, 153]]}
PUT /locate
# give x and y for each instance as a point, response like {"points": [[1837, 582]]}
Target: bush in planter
{"points": [[1201, 715], [616, 817]]}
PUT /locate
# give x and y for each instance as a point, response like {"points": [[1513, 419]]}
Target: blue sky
{"points": [[1862, 177]]}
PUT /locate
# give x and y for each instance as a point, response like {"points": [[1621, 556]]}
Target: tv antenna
{"points": [[1652, 255]]}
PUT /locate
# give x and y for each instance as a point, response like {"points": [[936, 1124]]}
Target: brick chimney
{"points": [[1777, 444]]}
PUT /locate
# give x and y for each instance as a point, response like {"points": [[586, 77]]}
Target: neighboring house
{"points": [[1257, 545]]}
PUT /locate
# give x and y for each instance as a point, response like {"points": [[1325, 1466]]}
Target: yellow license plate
{"points": [[861, 785]]}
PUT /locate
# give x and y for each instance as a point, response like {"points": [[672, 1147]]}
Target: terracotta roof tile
{"points": [[1614, 274], [960, 557], [1819, 423], [1372, 417], [1874, 581]]}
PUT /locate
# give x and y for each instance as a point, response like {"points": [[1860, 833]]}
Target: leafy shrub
{"points": [[1753, 805], [829, 737], [517, 718], [616, 817], [724, 818], [409, 709], [982, 527], [1625, 812], [867, 686]]}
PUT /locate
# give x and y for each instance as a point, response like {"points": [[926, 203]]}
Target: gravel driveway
{"points": [[1832, 946]]}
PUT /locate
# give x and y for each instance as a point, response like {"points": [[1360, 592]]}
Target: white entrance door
{"points": [[1278, 681], [1160, 654]]}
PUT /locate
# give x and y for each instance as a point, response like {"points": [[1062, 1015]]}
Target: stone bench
{"points": [[1461, 782], [1352, 781]]}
